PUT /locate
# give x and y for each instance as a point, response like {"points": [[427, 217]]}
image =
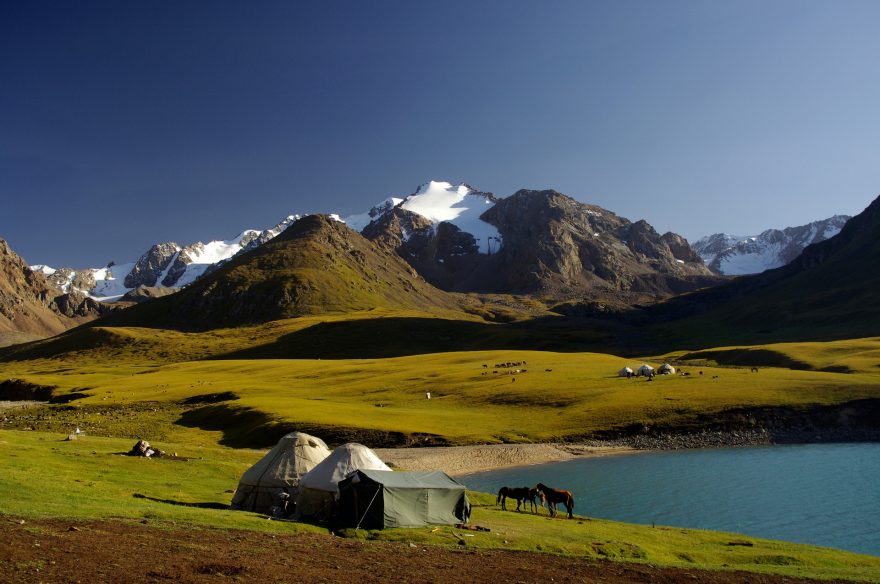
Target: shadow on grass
{"points": [[181, 503], [248, 428], [399, 336]]}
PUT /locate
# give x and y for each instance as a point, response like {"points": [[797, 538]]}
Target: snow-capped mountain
{"points": [[440, 202], [164, 265], [735, 255], [459, 239]]}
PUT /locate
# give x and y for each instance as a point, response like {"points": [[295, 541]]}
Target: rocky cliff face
{"points": [[557, 245], [31, 307], [736, 255], [542, 242], [151, 265]]}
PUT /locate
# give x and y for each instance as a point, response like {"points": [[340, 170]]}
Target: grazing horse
{"points": [[534, 496], [519, 494], [556, 496]]}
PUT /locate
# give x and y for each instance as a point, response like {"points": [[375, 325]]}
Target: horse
{"points": [[519, 494], [556, 496], [534, 495]]}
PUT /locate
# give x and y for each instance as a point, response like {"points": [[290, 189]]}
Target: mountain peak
{"points": [[736, 255]]}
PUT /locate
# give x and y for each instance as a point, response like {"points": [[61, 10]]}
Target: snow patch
{"points": [[440, 201], [45, 270]]}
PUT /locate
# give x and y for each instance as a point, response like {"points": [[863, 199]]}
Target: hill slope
{"points": [[828, 292], [30, 307], [316, 266]]}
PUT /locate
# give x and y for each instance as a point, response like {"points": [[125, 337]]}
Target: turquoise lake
{"points": [[822, 494]]}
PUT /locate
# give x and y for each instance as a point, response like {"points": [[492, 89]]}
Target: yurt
{"points": [[379, 499], [319, 488], [279, 471], [625, 372], [666, 369], [645, 370]]}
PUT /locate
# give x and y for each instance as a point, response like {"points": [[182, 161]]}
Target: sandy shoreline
{"points": [[462, 460]]}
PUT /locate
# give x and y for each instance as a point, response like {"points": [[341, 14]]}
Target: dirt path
{"points": [[461, 460], [53, 551]]}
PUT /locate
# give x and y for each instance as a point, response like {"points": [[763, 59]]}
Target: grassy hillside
{"points": [[554, 396], [316, 266], [99, 483], [847, 356], [827, 293]]}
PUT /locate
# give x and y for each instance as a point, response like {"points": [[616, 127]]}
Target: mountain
{"points": [[828, 292], [460, 239], [30, 307], [533, 242], [164, 265], [318, 265], [737, 255]]}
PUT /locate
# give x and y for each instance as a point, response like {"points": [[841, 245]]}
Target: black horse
{"points": [[521, 495]]}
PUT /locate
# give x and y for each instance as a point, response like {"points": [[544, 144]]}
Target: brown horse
{"points": [[521, 495], [556, 496]]}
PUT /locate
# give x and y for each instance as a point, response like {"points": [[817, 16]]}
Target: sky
{"points": [[124, 124]]}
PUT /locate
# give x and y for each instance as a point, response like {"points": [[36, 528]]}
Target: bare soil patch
{"points": [[119, 551]]}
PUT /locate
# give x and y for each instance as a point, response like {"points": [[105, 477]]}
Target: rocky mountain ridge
{"points": [[164, 265], [30, 307], [827, 292], [462, 239], [539, 242], [317, 266], [738, 255]]}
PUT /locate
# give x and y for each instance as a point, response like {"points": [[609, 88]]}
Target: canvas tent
{"points": [[280, 470], [625, 372], [645, 369], [377, 499], [319, 488], [666, 369]]}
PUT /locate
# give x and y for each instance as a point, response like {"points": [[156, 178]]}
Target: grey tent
{"points": [[279, 471], [625, 372], [645, 370], [376, 499], [666, 369], [319, 488]]}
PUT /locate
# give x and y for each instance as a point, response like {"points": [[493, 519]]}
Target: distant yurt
{"points": [[279, 471], [645, 370], [666, 369], [379, 499], [319, 488], [625, 372]]}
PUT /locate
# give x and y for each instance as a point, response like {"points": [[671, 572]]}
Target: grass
{"points": [[847, 356], [559, 395], [98, 483]]}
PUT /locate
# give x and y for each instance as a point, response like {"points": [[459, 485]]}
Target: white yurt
{"points": [[645, 370], [319, 488], [625, 372], [666, 369], [279, 471]]}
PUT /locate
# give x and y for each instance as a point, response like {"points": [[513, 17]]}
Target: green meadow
{"points": [[198, 395], [548, 396], [89, 478]]}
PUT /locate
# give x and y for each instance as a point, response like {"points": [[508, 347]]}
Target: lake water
{"points": [[823, 494]]}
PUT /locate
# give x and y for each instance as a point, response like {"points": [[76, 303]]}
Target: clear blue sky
{"points": [[127, 123]]}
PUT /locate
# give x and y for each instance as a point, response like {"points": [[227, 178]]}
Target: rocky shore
{"points": [[463, 460]]}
